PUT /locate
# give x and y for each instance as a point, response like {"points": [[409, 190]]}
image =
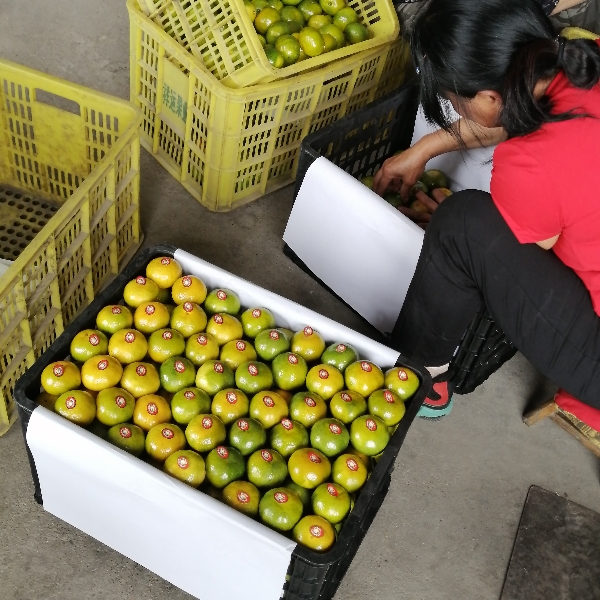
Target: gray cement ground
{"points": [[447, 526]]}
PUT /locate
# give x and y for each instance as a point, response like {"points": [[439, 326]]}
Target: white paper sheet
{"points": [[175, 531], [354, 241]]}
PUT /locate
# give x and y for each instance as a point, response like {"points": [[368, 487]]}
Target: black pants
{"points": [[470, 258]]}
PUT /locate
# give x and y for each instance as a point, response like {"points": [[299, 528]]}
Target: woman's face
{"points": [[484, 108]]}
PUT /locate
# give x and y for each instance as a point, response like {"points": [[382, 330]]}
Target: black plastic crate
{"points": [[311, 576], [359, 144]]}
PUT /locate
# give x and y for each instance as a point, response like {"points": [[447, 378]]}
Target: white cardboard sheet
{"points": [[355, 242], [175, 531], [378, 246]]}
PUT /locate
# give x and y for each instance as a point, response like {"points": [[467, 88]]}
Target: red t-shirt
{"points": [[546, 183]]}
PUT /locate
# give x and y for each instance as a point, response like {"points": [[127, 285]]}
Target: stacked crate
{"points": [[220, 118]]}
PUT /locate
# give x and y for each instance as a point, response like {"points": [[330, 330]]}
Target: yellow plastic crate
{"points": [[79, 148], [221, 35], [227, 146]]}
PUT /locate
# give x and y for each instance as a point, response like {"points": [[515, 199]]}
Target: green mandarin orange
{"points": [[230, 404], [88, 343], [324, 380], [187, 466], [140, 290], [127, 346], [60, 377], [201, 348], [164, 271], [189, 403], [114, 317], [189, 289], [76, 406]]}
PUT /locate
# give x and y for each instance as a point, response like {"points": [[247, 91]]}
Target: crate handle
{"points": [[57, 101]]}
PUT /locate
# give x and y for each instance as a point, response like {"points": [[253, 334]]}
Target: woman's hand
{"points": [[399, 173], [422, 218]]}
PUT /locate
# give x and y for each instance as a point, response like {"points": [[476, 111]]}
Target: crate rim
{"points": [[384, 466], [96, 173]]}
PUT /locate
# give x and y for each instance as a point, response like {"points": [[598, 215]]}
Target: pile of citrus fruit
{"points": [[275, 423], [294, 30], [430, 180]]}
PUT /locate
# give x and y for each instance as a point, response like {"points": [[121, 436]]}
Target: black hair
{"points": [[463, 47]]}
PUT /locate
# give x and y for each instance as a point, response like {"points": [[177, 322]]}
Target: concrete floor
{"points": [[447, 527]]}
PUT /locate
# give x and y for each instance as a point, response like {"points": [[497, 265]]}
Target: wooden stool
{"points": [[589, 437]]}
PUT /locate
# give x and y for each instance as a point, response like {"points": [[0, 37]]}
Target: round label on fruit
{"points": [[340, 348], [120, 402], [274, 335], [243, 425], [179, 366], [253, 370], [293, 359], [268, 402], [323, 374], [207, 423], [266, 455], [231, 397], [218, 319], [317, 531], [389, 398], [402, 375], [218, 368], [167, 433], [371, 425], [150, 309], [223, 452], [152, 408], [280, 497], [309, 402], [313, 458], [335, 428], [243, 497], [140, 280], [201, 339], [186, 281], [70, 402], [287, 424], [130, 337], [256, 313], [346, 397], [241, 346], [308, 331], [189, 395], [183, 462], [365, 366], [58, 370], [125, 432], [103, 364], [116, 310], [94, 339], [332, 491], [141, 370], [188, 306], [221, 295], [352, 464], [165, 261], [167, 335]]}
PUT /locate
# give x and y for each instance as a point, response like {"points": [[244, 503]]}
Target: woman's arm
{"points": [[403, 171]]}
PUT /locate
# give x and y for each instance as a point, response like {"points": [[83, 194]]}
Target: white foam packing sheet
{"points": [[183, 535], [355, 242]]}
